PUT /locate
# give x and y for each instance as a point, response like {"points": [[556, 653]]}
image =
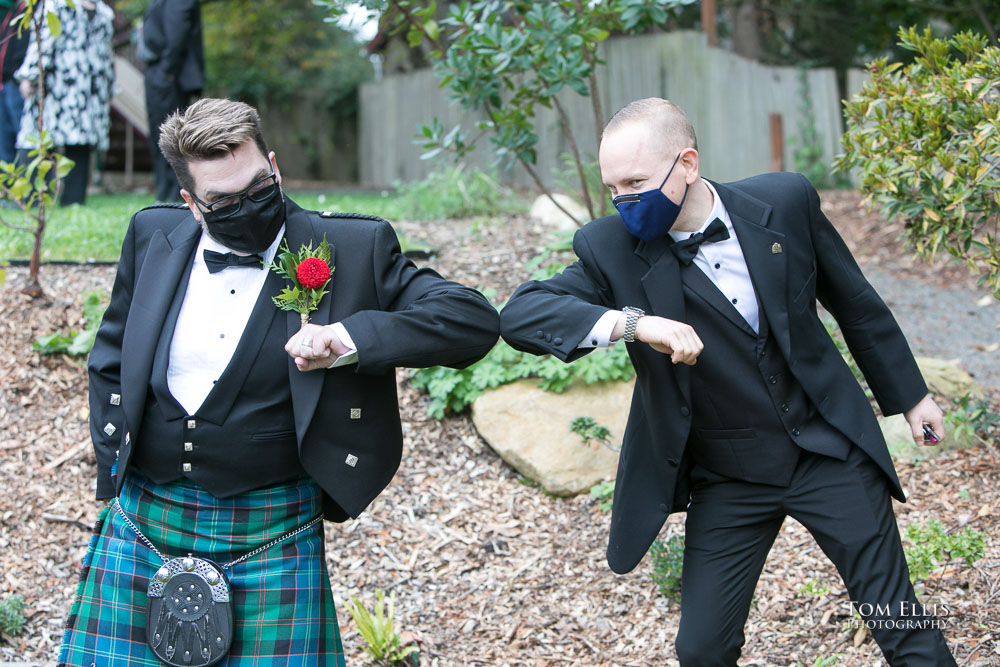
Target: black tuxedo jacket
{"points": [[794, 256], [397, 315]]}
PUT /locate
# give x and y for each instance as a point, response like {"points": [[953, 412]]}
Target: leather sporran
{"points": [[189, 614]]}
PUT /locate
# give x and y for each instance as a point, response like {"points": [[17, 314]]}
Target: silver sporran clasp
{"points": [[189, 614]]}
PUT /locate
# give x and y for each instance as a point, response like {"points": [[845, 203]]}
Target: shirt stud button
{"points": [[186, 467]]}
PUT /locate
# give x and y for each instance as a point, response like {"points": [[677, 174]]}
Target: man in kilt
{"points": [[224, 428]]}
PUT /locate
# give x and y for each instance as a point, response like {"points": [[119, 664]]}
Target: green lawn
{"points": [[94, 232]]}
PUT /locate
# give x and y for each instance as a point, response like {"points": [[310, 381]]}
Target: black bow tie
{"points": [[688, 248], [216, 261]]}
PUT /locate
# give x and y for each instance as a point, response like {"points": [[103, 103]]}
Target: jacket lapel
{"points": [[765, 258], [305, 386], [160, 276], [699, 286]]}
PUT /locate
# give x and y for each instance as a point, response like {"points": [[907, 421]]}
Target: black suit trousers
{"points": [[846, 506]]}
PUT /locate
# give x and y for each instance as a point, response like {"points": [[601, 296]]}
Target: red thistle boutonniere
{"points": [[310, 273]]}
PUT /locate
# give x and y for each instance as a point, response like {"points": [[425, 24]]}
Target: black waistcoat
{"points": [[243, 436], [751, 417]]}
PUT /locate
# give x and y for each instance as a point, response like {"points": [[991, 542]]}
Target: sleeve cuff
{"points": [[600, 334], [350, 357]]}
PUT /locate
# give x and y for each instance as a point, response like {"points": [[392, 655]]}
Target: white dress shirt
{"points": [[213, 316], [722, 262]]}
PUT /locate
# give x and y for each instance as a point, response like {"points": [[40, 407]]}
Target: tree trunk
{"points": [[746, 21]]}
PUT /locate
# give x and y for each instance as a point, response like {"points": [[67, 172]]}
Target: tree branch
{"points": [[564, 121], [984, 18], [419, 26], [534, 175]]}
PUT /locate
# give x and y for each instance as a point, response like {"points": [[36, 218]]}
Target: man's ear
{"points": [[195, 211], [689, 162], [274, 166]]}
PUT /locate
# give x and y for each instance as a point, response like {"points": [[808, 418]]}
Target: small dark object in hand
{"points": [[930, 435]]}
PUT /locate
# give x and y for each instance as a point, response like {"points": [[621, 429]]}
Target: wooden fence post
{"points": [[777, 144]]}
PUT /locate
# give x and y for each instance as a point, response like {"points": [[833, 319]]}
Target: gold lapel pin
{"points": [[776, 249]]}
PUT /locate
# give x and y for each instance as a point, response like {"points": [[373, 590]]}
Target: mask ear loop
{"points": [[686, 185], [670, 172]]}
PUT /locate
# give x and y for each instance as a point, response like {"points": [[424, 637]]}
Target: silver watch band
{"points": [[632, 316]]}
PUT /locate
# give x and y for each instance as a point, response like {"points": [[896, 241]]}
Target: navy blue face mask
{"points": [[649, 215]]}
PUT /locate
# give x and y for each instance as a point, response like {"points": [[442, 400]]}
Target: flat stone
{"points": [[546, 212], [946, 379], [529, 429]]}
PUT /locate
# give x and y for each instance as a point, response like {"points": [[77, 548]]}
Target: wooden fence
{"points": [[733, 103]]}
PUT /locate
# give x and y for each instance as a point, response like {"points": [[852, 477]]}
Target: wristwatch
{"points": [[632, 316]]}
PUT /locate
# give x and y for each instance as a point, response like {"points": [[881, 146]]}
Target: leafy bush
{"points": [[926, 139], [814, 588], [505, 59], [604, 494], [382, 642], [932, 547], [73, 343], [451, 390], [668, 564], [12, 617], [458, 192], [592, 433], [971, 417]]}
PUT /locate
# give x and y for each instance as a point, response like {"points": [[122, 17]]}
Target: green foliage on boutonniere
{"points": [[309, 271]]}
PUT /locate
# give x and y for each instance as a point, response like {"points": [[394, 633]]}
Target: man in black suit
{"points": [[220, 425], [171, 45], [769, 422]]}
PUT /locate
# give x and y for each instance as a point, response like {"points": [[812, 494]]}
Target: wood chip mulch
{"points": [[486, 568]]}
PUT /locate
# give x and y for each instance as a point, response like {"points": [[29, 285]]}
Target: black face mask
{"points": [[253, 227]]}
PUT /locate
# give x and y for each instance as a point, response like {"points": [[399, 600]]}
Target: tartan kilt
{"points": [[282, 604]]}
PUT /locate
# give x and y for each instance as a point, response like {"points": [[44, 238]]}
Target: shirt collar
{"points": [[718, 211]]}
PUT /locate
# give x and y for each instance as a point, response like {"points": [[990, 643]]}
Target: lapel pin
{"points": [[351, 460], [776, 249]]}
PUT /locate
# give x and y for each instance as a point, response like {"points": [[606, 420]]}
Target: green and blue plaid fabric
{"points": [[282, 603]]}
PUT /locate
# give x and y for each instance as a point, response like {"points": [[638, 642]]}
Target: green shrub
{"points": [[590, 431], [604, 494], [926, 139], [458, 192], [668, 563], [73, 343], [932, 547], [971, 417], [813, 588], [382, 642], [12, 617], [822, 661], [451, 390]]}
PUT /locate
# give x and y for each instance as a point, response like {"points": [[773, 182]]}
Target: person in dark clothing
{"points": [[171, 46], [770, 422], [12, 50]]}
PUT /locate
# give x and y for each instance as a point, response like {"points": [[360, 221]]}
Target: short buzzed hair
{"points": [[206, 130], [665, 118]]}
